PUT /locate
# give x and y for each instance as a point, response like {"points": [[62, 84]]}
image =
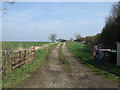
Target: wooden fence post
{"points": [[7, 60], [25, 52], [33, 53], [19, 55], [3, 64], [25, 55]]}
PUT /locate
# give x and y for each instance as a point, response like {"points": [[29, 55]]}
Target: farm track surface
{"points": [[53, 75], [41, 47]]}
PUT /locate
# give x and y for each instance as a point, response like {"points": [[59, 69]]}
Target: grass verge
{"points": [[16, 76], [66, 65], [84, 53]]}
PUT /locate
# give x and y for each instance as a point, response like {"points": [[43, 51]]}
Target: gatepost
{"points": [[118, 53]]}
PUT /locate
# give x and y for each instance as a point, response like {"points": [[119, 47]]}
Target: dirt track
{"points": [[52, 74]]}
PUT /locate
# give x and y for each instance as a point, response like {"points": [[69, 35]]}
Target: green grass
{"points": [[17, 45], [66, 65], [84, 53], [14, 77]]}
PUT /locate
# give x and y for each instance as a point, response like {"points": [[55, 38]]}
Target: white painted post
{"points": [[118, 53]]}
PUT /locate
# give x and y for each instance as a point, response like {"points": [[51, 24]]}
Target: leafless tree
{"points": [[52, 37], [77, 36]]}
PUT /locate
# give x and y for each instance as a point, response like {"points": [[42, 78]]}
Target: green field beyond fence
{"points": [[84, 53], [18, 45]]}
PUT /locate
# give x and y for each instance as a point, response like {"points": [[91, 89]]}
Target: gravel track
{"points": [[53, 75]]}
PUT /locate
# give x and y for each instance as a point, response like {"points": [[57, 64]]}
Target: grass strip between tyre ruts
{"points": [[65, 63]]}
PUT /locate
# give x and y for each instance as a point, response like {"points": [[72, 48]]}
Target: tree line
{"points": [[110, 33]]}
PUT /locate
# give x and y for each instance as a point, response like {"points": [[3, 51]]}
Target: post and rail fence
{"points": [[13, 59]]}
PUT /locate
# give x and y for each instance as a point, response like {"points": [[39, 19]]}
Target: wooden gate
{"points": [[17, 58]]}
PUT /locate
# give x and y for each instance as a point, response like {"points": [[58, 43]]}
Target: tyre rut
{"points": [[50, 75]]}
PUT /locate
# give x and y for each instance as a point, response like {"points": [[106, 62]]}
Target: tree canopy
{"points": [[110, 33]]}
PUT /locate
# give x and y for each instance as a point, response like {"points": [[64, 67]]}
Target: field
{"points": [[84, 53], [18, 45]]}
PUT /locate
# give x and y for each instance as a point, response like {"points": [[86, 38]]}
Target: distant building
{"points": [[61, 40]]}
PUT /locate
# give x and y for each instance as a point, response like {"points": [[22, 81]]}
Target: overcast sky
{"points": [[36, 21]]}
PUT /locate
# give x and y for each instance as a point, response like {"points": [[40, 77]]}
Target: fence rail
{"points": [[13, 59]]}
